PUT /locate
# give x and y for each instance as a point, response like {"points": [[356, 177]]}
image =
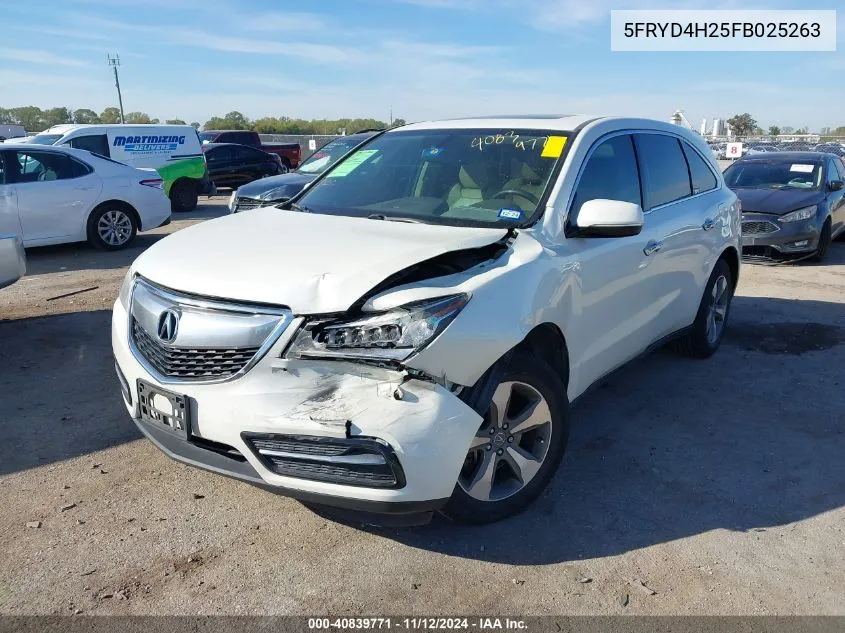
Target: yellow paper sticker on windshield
{"points": [[352, 163], [554, 147]]}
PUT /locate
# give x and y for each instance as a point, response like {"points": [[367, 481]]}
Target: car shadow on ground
{"points": [[664, 449], [44, 260], [59, 395], [669, 447]]}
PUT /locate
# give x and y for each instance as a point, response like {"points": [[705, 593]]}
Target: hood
{"points": [[308, 262], [777, 202], [292, 183]]}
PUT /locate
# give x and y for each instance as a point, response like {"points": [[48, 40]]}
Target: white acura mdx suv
{"points": [[407, 334]]}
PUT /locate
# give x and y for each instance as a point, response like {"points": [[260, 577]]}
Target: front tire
{"points": [[708, 329], [111, 228], [824, 243], [183, 196], [518, 447]]}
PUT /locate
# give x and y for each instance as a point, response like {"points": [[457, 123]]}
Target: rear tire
{"points": [[112, 227], [824, 243], [518, 447], [183, 196], [708, 329]]}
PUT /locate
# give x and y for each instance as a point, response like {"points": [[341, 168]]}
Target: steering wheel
{"points": [[517, 192]]}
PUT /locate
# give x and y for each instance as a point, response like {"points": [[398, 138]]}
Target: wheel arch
{"points": [[547, 342], [731, 257], [114, 203]]}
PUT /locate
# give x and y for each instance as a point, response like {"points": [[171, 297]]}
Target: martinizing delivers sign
{"points": [[149, 144], [174, 151]]}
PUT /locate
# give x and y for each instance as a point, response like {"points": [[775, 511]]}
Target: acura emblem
{"points": [[168, 324]]}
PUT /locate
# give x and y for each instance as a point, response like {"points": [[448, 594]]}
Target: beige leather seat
{"points": [[465, 192]]}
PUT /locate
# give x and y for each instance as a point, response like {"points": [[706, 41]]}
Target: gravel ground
{"points": [[719, 484]]}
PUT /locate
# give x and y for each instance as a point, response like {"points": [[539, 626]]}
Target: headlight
{"points": [[801, 214], [393, 335], [232, 199], [126, 289]]}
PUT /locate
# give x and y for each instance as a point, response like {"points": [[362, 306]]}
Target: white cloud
{"points": [[283, 22], [30, 56]]}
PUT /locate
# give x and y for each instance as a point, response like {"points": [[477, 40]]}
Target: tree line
{"points": [[745, 125], [34, 119]]}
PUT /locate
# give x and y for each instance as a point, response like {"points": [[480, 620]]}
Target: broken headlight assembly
{"points": [[385, 336]]}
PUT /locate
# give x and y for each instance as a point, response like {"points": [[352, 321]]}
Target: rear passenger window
{"points": [[664, 169], [700, 174], [610, 174], [46, 166]]}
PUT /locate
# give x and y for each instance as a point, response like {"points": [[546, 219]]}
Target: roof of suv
{"points": [[561, 122]]}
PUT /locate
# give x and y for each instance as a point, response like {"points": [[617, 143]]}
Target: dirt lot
{"points": [[718, 484]]}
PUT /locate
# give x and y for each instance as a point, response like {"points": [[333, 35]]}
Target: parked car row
{"points": [[273, 190]]}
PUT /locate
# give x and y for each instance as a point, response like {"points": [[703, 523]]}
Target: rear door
{"points": [[55, 194], [681, 204]]}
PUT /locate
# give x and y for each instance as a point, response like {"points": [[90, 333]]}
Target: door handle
{"points": [[652, 247], [709, 223], [81, 188]]}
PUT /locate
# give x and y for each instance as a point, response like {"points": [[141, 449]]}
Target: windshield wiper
{"points": [[393, 218], [297, 207]]}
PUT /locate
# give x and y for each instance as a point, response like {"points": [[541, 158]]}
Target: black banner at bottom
{"points": [[480, 623]]}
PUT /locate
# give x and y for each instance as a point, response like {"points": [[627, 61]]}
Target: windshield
{"points": [[480, 177], [207, 137], [327, 156], [781, 174], [45, 139]]}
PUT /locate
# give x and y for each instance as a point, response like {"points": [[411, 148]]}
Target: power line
{"points": [[114, 62]]}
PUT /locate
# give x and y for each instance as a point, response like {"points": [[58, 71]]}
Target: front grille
{"points": [[352, 461], [244, 204], [757, 228], [188, 363]]}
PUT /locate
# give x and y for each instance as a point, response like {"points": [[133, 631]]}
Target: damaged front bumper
{"points": [[332, 433]]}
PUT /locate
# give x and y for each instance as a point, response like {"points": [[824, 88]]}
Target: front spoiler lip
{"points": [[407, 512]]}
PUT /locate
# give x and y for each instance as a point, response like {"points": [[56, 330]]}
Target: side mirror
{"points": [[608, 218], [836, 185]]}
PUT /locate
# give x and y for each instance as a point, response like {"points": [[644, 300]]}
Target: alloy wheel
{"points": [[114, 227], [717, 309], [511, 444]]}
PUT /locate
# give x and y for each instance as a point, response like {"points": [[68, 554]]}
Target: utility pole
{"points": [[391, 116], [114, 62]]}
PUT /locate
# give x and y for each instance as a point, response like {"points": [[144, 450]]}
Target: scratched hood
{"points": [[309, 262]]}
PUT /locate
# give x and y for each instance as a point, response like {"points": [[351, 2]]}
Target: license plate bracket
{"points": [[165, 409]]}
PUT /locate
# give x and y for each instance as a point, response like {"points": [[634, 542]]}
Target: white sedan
{"points": [[66, 195]]}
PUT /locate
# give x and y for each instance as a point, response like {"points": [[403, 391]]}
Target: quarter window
{"points": [[701, 176], [610, 174], [96, 143], [664, 169]]}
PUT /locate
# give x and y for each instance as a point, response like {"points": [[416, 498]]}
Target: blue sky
{"points": [[426, 58]]}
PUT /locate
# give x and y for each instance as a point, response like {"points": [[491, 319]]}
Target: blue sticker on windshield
{"points": [[432, 152], [511, 214]]}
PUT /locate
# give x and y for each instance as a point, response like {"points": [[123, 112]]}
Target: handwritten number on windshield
{"points": [[511, 138]]}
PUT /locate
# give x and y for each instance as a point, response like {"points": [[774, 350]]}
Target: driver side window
{"points": [[610, 173]]}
